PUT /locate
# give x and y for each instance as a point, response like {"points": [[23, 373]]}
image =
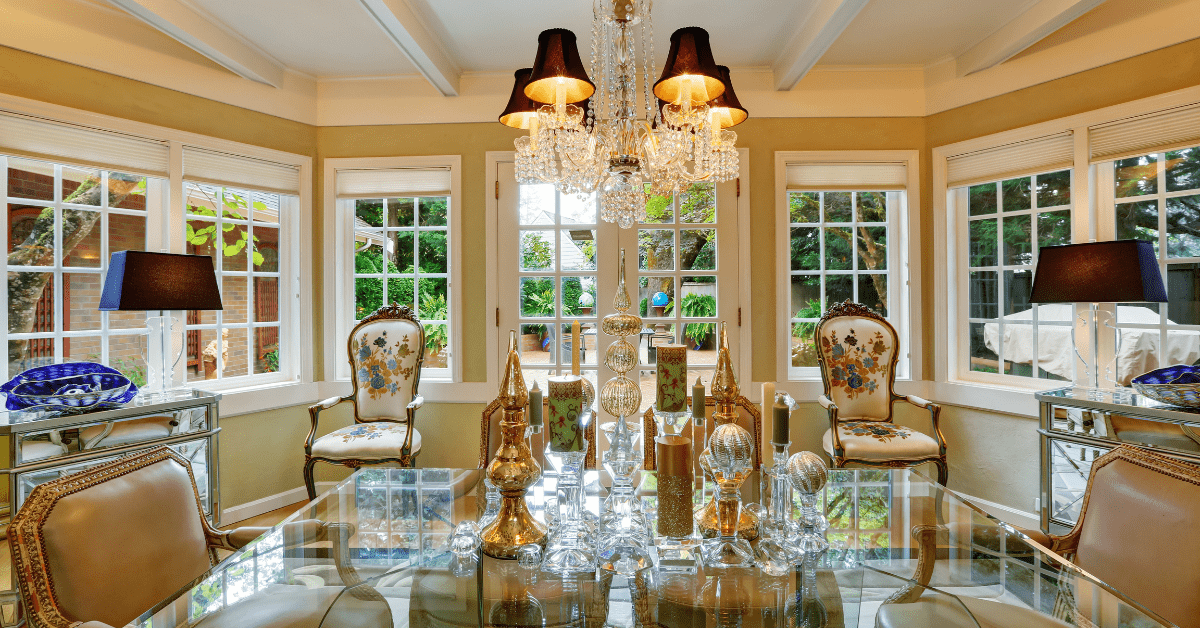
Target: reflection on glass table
{"points": [[1139, 351], [903, 552]]}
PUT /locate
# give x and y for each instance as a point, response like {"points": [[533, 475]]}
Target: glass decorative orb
{"points": [[731, 448], [621, 356], [807, 472], [621, 324], [620, 397], [465, 540], [530, 556]]}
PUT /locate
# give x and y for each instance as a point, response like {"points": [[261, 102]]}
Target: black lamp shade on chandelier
{"points": [[558, 61], [1121, 271], [141, 280], [520, 108], [690, 60], [729, 111]]}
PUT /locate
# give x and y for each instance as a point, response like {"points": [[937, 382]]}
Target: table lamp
{"points": [[141, 280], [1120, 271]]}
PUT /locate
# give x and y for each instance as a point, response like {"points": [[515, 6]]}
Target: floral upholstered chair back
{"points": [[856, 349], [386, 352]]}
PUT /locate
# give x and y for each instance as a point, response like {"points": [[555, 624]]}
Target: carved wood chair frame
{"points": [[650, 431], [850, 308], [405, 457]]}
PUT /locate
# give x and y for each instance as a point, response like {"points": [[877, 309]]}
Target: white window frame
{"points": [[958, 202], [239, 396], [904, 265], [1092, 218], [444, 385]]}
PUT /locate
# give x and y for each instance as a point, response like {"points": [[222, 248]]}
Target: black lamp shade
{"points": [[140, 280], [1121, 271], [520, 108], [558, 61], [729, 111], [690, 60]]}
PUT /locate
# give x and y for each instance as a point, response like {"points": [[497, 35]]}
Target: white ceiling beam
{"points": [[1033, 25], [823, 26], [198, 32], [405, 28]]}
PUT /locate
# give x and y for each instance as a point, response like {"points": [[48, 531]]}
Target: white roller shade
{"points": [[69, 143], [847, 176], [384, 182], [209, 166], [1042, 154], [1163, 130]]}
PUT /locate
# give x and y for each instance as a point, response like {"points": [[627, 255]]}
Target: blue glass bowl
{"points": [[68, 388], [1177, 385]]}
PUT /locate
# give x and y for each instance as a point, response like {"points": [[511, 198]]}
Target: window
{"points": [[1007, 222], [842, 237], [1156, 197], [240, 230], [394, 231], [400, 249], [681, 273], [63, 221]]}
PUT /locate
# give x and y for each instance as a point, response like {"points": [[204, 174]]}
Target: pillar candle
{"points": [[780, 433], [698, 401], [768, 398], [575, 348], [671, 384], [566, 409], [535, 406], [674, 486]]}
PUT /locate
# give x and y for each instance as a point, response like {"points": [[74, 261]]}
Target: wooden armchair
{"points": [[749, 417], [386, 351], [98, 548], [857, 351], [489, 436]]}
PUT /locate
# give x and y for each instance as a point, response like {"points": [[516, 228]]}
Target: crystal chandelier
{"points": [[625, 136]]}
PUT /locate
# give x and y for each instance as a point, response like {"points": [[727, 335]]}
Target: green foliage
{"points": [[536, 252], [271, 358], [811, 309], [696, 306], [236, 207]]}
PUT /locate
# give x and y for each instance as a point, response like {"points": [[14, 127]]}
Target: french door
{"points": [[558, 261]]}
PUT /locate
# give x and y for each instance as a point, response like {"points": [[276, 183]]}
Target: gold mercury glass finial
{"points": [[724, 383], [513, 395], [621, 301]]}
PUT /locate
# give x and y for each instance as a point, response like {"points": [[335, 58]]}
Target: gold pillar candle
{"points": [[566, 411], [671, 379], [674, 486]]}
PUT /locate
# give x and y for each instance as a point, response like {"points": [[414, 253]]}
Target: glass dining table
{"points": [[374, 551]]}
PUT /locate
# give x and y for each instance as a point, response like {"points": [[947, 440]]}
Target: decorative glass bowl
{"points": [[1177, 385], [68, 388]]}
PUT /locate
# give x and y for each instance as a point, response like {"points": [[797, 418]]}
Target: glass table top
{"points": [[373, 551]]}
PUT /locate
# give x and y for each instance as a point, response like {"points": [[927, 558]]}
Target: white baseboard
{"points": [[241, 512], [1007, 514]]}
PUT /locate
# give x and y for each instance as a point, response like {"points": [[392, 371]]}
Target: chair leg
{"points": [[943, 471], [308, 479]]}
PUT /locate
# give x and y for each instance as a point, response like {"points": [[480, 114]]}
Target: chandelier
{"points": [[624, 136]]}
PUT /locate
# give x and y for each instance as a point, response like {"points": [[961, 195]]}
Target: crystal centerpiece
{"points": [[731, 460], [808, 475], [624, 530]]}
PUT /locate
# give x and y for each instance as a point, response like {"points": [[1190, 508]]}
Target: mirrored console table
{"points": [[1079, 425], [36, 447]]}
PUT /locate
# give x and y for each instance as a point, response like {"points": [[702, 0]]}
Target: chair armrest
{"points": [[416, 403], [935, 415], [294, 534], [926, 537], [832, 409], [1059, 544], [313, 412]]}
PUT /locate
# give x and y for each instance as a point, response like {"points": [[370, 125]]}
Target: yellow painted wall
{"points": [[261, 452]]}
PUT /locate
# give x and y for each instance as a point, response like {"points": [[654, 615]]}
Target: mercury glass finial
{"points": [[621, 302], [513, 394], [807, 472], [724, 382]]}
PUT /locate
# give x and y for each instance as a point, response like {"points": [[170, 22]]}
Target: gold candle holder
{"points": [[725, 392], [513, 469]]}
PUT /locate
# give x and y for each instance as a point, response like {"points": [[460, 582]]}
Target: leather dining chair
{"points": [[1133, 533], [98, 548]]}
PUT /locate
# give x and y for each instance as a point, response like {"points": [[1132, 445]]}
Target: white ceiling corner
{"points": [[1035, 23]]}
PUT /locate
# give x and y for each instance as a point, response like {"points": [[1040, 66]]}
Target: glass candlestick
{"points": [[569, 550], [808, 475], [731, 453]]}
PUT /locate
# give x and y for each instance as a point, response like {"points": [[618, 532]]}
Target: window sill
{"points": [[236, 400], [1013, 400]]}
